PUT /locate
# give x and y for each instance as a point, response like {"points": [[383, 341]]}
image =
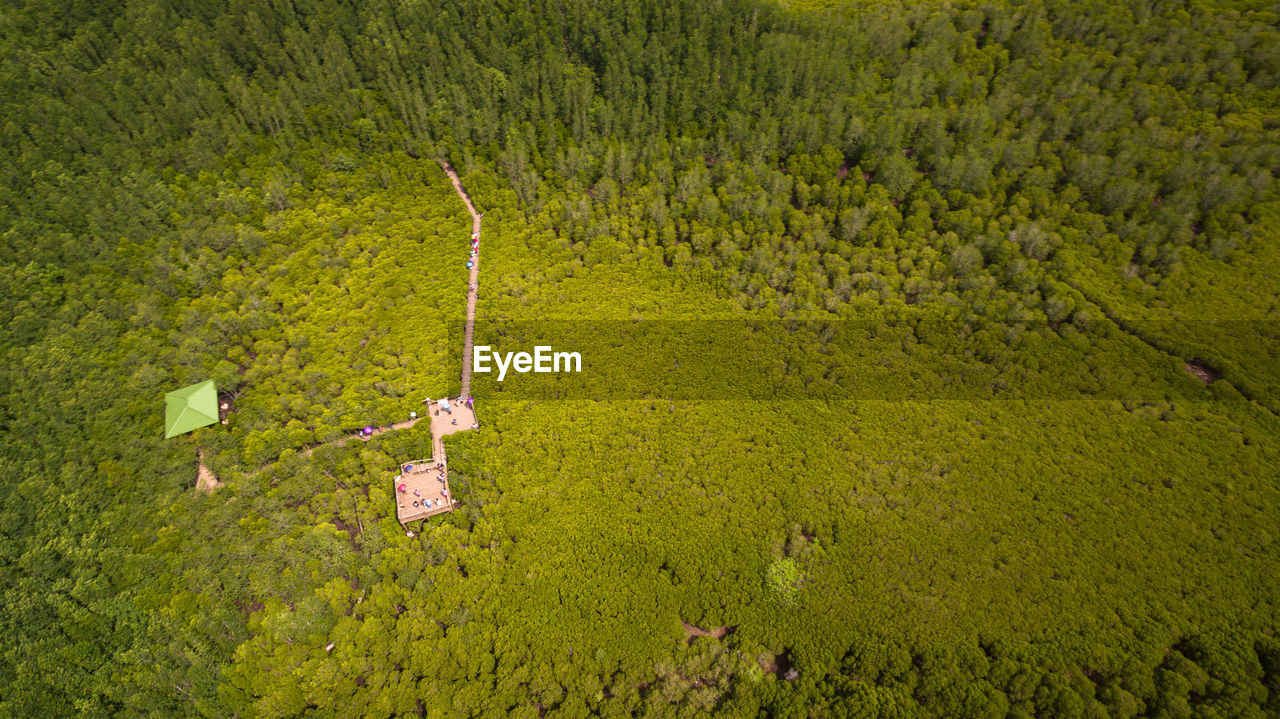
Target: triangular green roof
{"points": [[189, 408]]}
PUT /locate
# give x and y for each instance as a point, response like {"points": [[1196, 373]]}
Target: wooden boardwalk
{"points": [[473, 283], [427, 490]]}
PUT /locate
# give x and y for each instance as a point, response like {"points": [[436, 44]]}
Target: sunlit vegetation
{"points": [[1073, 200]]}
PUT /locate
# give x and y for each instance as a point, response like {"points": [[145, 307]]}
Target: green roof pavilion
{"points": [[189, 408]]}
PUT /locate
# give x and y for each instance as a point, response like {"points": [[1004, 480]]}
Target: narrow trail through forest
{"points": [[473, 282], [1194, 366], [206, 481]]}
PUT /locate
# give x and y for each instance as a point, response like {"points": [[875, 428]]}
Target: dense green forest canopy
{"points": [[1072, 194]]}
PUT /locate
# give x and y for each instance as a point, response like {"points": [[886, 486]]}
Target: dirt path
{"points": [[376, 431], [692, 632], [472, 284], [206, 480]]}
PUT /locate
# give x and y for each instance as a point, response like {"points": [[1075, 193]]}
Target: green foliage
{"points": [[1076, 198], [784, 579]]}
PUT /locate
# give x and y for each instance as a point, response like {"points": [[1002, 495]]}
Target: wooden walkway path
{"points": [[446, 424], [473, 283]]}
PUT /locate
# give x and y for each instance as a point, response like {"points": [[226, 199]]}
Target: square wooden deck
{"points": [[426, 490], [458, 418]]}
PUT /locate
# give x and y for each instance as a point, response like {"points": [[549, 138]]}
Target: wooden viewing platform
{"points": [[426, 490], [426, 481]]}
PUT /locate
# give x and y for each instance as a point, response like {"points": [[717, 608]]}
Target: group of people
{"points": [[443, 499], [448, 409], [438, 502], [475, 250]]}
